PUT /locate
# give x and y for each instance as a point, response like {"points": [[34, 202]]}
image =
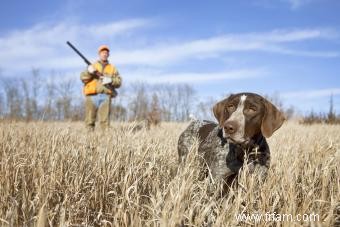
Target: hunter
{"points": [[101, 79]]}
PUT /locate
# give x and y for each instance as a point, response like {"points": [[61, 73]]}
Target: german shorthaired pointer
{"points": [[244, 120]]}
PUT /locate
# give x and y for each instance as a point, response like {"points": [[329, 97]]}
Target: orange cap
{"points": [[103, 47]]}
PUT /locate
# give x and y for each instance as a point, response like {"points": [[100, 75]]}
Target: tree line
{"points": [[53, 98], [41, 98], [326, 118]]}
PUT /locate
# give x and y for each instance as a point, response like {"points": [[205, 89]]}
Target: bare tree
{"points": [[166, 100], [185, 99], [28, 111], [154, 116], [204, 109], [35, 92], [30, 90], [1, 105], [64, 100], [175, 101], [2, 102], [13, 99], [139, 102], [49, 112], [118, 111], [331, 116]]}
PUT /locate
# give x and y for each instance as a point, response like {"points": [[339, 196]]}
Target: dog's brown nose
{"points": [[230, 127]]}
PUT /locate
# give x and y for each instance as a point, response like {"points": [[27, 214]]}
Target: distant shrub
{"points": [[314, 118]]}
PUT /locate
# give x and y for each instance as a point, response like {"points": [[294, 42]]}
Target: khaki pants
{"points": [[97, 106]]}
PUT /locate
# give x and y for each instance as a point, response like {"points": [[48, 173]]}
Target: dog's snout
{"points": [[230, 127]]}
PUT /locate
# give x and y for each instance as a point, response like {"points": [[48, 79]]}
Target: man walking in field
{"points": [[100, 81]]}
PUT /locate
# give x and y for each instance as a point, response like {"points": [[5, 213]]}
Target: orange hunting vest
{"points": [[90, 88], [107, 69]]}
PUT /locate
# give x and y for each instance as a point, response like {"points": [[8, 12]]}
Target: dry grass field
{"points": [[54, 174]]}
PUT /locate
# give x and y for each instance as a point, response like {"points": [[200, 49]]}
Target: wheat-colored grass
{"points": [[56, 174]]}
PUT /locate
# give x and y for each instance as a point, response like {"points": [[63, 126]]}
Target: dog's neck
{"points": [[256, 147], [255, 152], [258, 141]]}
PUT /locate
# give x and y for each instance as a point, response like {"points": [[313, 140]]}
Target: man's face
{"points": [[104, 55]]}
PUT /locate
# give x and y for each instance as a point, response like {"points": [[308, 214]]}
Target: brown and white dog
{"points": [[244, 120]]}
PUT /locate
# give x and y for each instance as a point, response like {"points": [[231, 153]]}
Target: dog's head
{"points": [[245, 115]]}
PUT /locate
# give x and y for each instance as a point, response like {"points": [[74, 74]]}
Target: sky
{"points": [[288, 48]]}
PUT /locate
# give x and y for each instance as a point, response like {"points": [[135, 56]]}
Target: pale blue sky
{"points": [[289, 47]]}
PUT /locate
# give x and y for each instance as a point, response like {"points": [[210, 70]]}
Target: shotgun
{"points": [[98, 74]]}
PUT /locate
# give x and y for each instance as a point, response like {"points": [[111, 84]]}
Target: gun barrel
{"points": [[78, 52]]}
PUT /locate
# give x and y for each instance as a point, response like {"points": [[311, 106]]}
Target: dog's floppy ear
{"points": [[220, 112], [272, 119]]}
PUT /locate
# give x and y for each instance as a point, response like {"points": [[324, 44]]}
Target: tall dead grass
{"points": [[56, 174]]}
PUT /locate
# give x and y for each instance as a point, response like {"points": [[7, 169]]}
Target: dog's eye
{"points": [[251, 109], [231, 107]]}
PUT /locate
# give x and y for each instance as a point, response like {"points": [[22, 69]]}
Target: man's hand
{"points": [[116, 81], [91, 69], [106, 80]]}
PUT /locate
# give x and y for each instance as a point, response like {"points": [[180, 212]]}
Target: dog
{"points": [[245, 120]]}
